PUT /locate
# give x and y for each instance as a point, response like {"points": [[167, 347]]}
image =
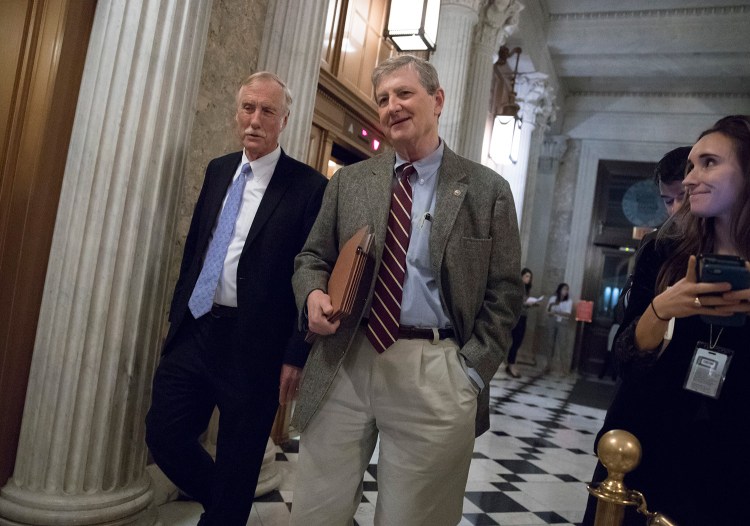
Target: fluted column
{"points": [[451, 60], [544, 114], [291, 48], [82, 456], [536, 227], [498, 19]]}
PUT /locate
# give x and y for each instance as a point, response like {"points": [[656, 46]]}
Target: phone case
{"points": [[715, 268]]}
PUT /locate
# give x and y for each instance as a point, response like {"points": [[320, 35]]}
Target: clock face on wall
{"points": [[642, 205]]}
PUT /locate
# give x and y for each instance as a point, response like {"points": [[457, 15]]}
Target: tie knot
{"points": [[405, 171], [246, 170]]}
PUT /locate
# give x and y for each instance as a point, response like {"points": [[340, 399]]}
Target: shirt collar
{"points": [[427, 166], [263, 167]]}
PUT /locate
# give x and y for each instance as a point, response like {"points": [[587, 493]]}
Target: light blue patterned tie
{"points": [[203, 294]]}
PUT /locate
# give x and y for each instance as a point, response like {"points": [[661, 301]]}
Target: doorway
{"points": [[626, 207], [42, 54]]}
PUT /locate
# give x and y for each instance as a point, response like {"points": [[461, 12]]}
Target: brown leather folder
{"points": [[346, 276]]}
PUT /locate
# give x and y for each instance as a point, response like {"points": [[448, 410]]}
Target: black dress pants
{"points": [[517, 335], [204, 368]]}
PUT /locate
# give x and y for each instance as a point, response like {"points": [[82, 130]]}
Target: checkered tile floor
{"points": [[529, 469]]}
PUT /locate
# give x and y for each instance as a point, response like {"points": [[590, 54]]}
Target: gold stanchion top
{"points": [[619, 451]]}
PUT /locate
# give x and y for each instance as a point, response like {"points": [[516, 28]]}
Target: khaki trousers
{"points": [[417, 396]]}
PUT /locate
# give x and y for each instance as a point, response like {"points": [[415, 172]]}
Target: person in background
{"points": [[668, 176], [411, 366], [684, 393], [233, 341], [520, 329], [560, 310]]}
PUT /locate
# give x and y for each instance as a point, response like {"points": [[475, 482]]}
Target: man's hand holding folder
{"points": [[345, 281]]}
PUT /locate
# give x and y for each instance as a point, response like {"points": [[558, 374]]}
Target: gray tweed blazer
{"points": [[474, 253]]}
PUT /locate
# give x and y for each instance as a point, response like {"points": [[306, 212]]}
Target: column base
{"points": [[270, 476], [132, 505]]}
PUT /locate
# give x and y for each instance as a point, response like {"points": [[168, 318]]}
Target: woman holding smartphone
{"points": [[686, 388]]}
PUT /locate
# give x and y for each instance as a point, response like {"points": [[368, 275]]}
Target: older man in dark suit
{"points": [[412, 365], [233, 341]]}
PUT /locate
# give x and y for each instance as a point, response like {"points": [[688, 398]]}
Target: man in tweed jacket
{"points": [[427, 395]]}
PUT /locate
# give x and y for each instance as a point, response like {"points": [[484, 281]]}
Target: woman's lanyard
{"points": [[709, 366]]}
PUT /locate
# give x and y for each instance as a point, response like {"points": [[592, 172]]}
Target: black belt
{"points": [[222, 311], [417, 333]]}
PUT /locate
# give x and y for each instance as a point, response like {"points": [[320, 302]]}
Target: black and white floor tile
{"points": [[530, 469]]}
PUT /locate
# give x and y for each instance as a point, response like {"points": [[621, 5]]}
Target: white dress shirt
{"points": [[255, 187]]}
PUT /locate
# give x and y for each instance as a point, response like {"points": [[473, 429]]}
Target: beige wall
{"points": [[232, 48]]}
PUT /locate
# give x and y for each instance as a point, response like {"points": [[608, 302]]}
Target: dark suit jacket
{"points": [[266, 309], [475, 255]]}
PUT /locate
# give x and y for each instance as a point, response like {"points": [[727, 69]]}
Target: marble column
{"points": [[536, 99], [536, 231], [498, 19], [451, 60], [81, 457], [297, 61], [544, 113], [291, 48]]}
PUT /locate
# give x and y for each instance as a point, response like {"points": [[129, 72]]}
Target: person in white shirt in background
{"points": [[560, 309]]}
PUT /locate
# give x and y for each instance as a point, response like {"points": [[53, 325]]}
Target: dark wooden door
{"points": [[42, 52]]}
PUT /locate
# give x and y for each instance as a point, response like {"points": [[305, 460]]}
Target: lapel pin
{"points": [[456, 192]]}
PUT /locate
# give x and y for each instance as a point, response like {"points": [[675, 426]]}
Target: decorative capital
{"points": [[498, 19], [537, 99]]}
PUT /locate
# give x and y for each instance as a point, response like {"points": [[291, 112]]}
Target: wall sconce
{"points": [[506, 130], [506, 140], [412, 24]]}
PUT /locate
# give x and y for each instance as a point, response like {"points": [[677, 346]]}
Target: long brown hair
{"points": [[689, 234]]}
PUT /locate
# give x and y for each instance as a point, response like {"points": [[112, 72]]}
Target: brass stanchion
{"points": [[620, 452]]}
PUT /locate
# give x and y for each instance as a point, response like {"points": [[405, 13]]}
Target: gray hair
{"points": [[267, 75], [428, 76]]}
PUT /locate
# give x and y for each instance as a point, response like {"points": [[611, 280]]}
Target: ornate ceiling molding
{"points": [[652, 13]]}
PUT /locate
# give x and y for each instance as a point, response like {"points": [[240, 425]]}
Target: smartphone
{"points": [[715, 268]]}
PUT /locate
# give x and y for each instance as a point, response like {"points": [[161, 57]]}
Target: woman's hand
{"points": [[739, 300], [688, 297], [685, 298]]}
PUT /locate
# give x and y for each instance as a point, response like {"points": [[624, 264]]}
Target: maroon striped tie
{"points": [[382, 329]]}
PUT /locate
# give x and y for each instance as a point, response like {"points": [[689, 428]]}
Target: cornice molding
{"points": [[652, 13], [658, 95], [473, 5], [345, 98]]}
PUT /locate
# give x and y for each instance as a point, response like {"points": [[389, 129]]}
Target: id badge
{"points": [[708, 369]]}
